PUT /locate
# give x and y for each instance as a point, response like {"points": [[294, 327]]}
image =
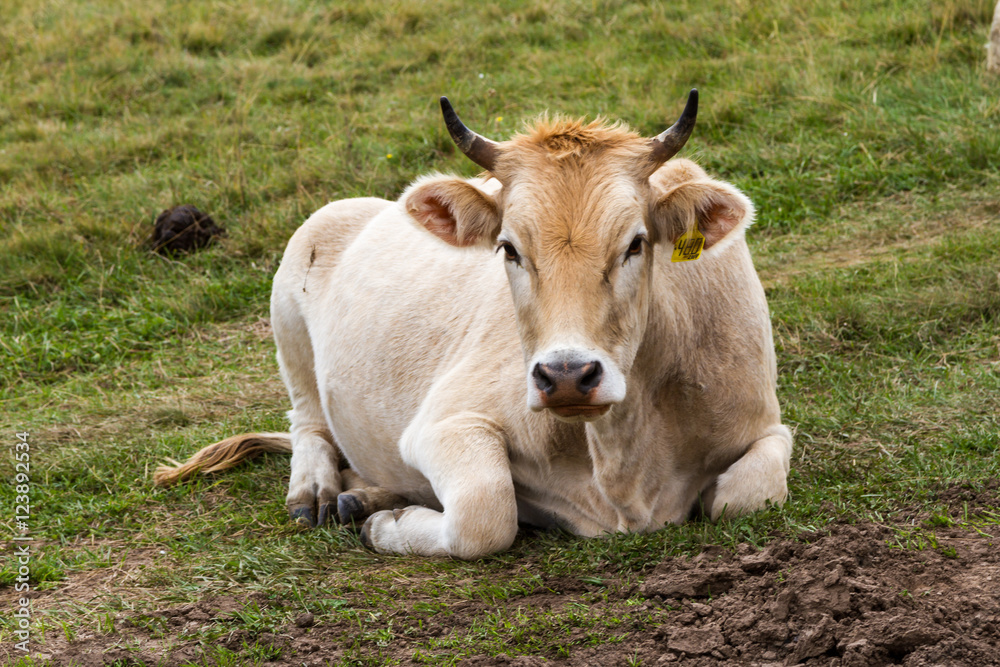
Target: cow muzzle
{"points": [[574, 386]]}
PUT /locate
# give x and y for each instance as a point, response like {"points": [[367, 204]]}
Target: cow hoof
{"points": [[325, 514], [302, 517], [350, 508], [365, 536]]}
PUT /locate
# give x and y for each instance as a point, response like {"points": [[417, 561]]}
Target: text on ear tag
{"points": [[688, 246]]}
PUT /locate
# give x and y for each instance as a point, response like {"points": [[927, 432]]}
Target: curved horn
{"points": [[672, 140], [477, 148]]}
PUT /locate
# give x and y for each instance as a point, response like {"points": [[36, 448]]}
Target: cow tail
{"points": [[221, 456]]}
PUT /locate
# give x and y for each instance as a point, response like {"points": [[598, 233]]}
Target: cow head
{"points": [[582, 211]]}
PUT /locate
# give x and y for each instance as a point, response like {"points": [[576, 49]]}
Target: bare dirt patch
{"points": [[845, 597], [848, 595]]}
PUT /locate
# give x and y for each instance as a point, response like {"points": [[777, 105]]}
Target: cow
{"points": [[523, 348]]}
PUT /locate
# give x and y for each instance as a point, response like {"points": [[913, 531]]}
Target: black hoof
{"points": [[349, 508], [324, 514], [303, 516], [366, 538]]}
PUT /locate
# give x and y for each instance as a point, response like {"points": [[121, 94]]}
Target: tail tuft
{"points": [[221, 456]]}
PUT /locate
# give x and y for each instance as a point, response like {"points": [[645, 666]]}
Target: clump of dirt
{"points": [[845, 597], [182, 229]]}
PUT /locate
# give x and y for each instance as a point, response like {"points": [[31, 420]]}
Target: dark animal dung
{"points": [[183, 229]]}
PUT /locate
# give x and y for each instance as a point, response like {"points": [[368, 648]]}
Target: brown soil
{"points": [[848, 595]]}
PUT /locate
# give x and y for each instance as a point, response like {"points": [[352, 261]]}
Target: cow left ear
{"points": [[720, 210], [454, 210]]}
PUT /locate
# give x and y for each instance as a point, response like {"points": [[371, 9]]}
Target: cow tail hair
{"points": [[221, 456]]}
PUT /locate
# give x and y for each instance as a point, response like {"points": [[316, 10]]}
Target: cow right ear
{"points": [[718, 209], [453, 210]]}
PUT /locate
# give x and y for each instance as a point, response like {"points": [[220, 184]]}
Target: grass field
{"points": [[867, 132]]}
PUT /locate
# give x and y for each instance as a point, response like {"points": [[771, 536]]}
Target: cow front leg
{"points": [[465, 459], [756, 478]]}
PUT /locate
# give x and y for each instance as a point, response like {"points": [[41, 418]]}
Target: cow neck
{"points": [[669, 333], [624, 427], [620, 452], [620, 443]]}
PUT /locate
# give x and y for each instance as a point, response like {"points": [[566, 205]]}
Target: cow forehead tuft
{"points": [[562, 137]]}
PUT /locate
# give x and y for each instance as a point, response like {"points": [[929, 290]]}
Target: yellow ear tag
{"points": [[688, 246]]}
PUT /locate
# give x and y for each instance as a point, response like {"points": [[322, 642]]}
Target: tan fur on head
{"points": [[563, 137], [222, 455]]}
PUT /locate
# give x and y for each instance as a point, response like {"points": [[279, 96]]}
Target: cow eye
{"points": [[634, 248], [510, 252]]}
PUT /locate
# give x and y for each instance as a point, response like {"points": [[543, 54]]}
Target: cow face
{"points": [[576, 246], [578, 222]]}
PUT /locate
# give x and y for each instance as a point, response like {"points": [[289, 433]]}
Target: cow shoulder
{"points": [[316, 247]]}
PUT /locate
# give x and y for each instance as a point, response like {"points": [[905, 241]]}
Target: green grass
{"points": [[867, 133]]}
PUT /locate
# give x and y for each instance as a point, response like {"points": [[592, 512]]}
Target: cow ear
{"points": [[720, 210], [453, 210]]}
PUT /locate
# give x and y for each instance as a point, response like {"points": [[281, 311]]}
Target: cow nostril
{"points": [[591, 377], [542, 381]]}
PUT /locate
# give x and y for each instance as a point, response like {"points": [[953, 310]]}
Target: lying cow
{"points": [[524, 349]]}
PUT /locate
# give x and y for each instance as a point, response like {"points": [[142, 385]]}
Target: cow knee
{"points": [[473, 547], [756, 479], [481, 535], [481, 514], [422, 531], [464, 457], [412, 530]]}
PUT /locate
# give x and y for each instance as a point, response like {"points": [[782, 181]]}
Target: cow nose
{"points": [[567, 381]]}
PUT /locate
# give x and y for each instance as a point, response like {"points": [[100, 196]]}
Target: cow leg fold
{"points": [[465, 459], [755, 479]]}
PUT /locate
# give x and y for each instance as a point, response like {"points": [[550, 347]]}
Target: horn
{"points": [[477, 148], [672, 140]]}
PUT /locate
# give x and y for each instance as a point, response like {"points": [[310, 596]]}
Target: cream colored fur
{"points": [[993, 46], [409, 357]]}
